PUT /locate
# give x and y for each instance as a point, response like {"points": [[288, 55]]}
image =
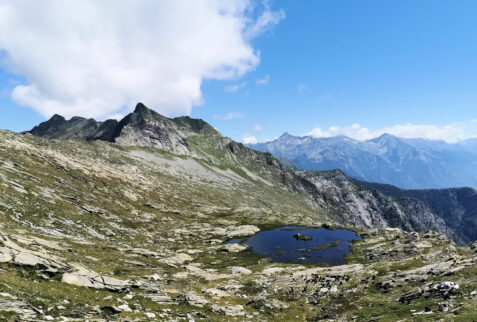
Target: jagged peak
{"points": [[385, 137], [56, 118], [141, 108], [286, 135]]}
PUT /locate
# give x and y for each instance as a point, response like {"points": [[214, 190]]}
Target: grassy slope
{"points": [[133, 203]]}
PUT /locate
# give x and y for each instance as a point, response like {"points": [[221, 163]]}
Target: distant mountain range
{"points": [[407, 163]]}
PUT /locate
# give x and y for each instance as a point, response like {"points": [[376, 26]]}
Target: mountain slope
{"points": [[94, 230], [322, 194], [456, 206], [407, 163]]}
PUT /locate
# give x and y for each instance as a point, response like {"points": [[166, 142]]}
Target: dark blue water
{"points": [[326, 246]]}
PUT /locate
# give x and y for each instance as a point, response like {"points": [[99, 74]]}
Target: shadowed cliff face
{"points": [[331, 194], [77, 128]]}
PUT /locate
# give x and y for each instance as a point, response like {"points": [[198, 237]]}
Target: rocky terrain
{"points": [[406, 163], [131, 226]]}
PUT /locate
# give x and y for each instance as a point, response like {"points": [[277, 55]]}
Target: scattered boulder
{"points": [[242, 231], [411, 296], [38, 260], [238, 270], [193, 299], [177, 259], [445, 289], [231, 310], [232, 248], [87, 278], [261, 303], [215, 292], [25, 311], [272, 271]]}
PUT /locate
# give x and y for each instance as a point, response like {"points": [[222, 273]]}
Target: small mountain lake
{"points": [[295, 244]]}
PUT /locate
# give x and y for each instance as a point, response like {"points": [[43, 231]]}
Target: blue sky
{"points": [[326, 64]]}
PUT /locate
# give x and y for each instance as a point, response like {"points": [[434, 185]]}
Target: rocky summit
{"points": [[127, 221]]}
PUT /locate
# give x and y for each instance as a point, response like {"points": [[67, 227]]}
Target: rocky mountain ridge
{"points": [[406, 163], [143, 127]]}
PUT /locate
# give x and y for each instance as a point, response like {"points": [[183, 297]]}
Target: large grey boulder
{"points": [[88, 278]]}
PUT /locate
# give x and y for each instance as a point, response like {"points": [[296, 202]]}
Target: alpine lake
{"points": [[296, 244]]}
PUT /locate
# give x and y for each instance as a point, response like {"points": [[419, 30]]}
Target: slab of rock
{"points": [[38, 260], [231, 310], [242, 231], [87, 278], [193, 299], [209, 275], [215, 292], [159, 298], [232, 248], [272, 271], [177, 259], [5, 255], [24, 310], [238, 270]]}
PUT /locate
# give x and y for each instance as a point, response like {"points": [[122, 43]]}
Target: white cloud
{"points": [[248, 138], [258, 128], [229, 116], [263, 81], [301, 88], [450, 133], [98, 58], [267, 19], [235, 87]]}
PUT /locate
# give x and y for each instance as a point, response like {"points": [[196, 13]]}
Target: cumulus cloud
{"points": [[235, 87], [249, 138], [450, 133], [263, 81], [98, 58], [229, 116]]}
